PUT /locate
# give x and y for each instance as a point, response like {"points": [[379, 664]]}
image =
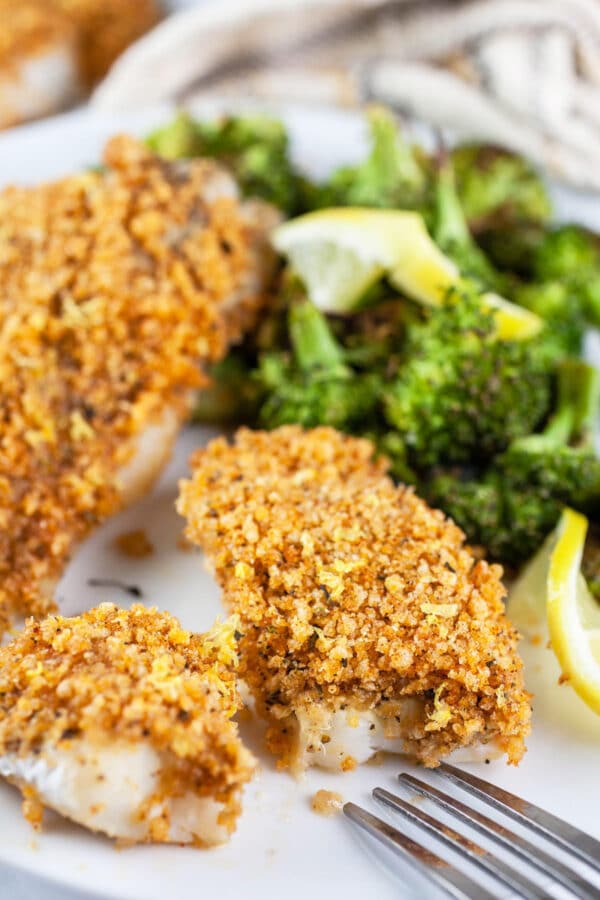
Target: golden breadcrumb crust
{"points": [[136, 675], [28, 28], [353, 591], [116, 285], [98, 30], [105, 28]]}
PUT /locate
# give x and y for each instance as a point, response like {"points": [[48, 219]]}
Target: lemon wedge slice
{"points": [[553, 592], [573, 614], [513, 322], [340, 253]]}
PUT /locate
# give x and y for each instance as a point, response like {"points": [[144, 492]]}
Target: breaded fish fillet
{"points": [[367, 624], [39, 69], [105, 28], [115, 287], [53, 51], [121, 721]]}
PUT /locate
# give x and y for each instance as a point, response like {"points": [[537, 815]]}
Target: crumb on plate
{"points": [[327, 803], [134, 544]]}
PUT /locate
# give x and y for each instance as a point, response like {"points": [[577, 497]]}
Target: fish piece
{"points": [[116, 287], [367, 623], [121, 721], [39, 72], [105, 28]]}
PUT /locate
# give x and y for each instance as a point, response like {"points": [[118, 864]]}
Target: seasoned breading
{"points": [[116, 286], [29, 28], [38, 60], [125, 694], [361, 608], [53, 51], [105, 28]]}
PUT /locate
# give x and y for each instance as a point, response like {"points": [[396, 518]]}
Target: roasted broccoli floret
{"points": [[393, 176], [255, 148], [564, 251], [452, 235], [461, 394], [511, 249], [570, 255], [233, 395], [312, 385], [495, 185], [560, 306], [518, 500]]}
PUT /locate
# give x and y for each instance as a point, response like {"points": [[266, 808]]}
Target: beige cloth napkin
{"points": [[521, 73]]}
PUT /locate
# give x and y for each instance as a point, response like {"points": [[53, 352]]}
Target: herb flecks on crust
{"points": [[116, 287], [352, 591], [114, 675]]}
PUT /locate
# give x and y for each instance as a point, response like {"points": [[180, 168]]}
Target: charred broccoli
{"points": [[495, 185], [570, 255], [393, 176], [232, 396], [560, 307], [312, 384], [452, 235], [518, 500], [461, 394], [255, 148]]}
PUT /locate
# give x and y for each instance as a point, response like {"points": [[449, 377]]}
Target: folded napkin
{"points": [[521, 73]]}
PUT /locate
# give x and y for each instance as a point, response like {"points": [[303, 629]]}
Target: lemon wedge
{"points": [[340, 253], [513, 322], [553, 592]]}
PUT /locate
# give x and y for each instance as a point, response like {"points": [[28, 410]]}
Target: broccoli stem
{"points": [[583, 382], [451, 229], [312, 341], [452, 232], [392, 157], [573, 422]]}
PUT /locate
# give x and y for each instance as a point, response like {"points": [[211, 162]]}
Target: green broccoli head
{"points": [[312, 385], [393, 176], [564, 251], [461, 394], [255, 148], [512, 249], [570, 255], [561, 308], [517, 501], [232, 396], [496, 185], [452, 235]]}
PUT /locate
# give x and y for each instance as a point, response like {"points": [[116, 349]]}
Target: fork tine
{"points": [[556, 830], [506, 838], [436, 870], [462, 845]]}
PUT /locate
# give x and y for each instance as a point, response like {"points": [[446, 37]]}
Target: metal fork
{"points": [[577, 846]]}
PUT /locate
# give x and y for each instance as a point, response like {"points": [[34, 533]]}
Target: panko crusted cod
{"points": [[117, 286], [121, 721], [38, 60], [53, 51], [367, 624]]}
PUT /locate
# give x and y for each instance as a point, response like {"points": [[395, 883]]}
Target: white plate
{"points": [[281, 848]]}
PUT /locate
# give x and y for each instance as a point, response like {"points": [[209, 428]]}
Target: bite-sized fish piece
{"points": [[367, 624], [121, 721], [39, 68], [115, 287]]}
